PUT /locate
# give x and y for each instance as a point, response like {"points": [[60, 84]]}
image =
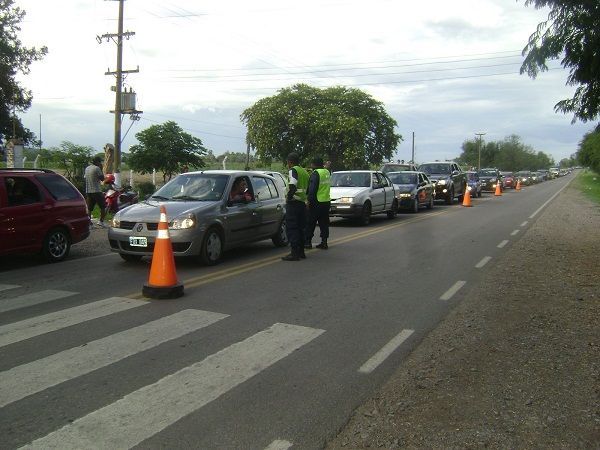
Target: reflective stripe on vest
{"points": [[302, 185], [324, 186]]}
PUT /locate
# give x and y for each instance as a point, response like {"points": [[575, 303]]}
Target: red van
{"points": [[40, 212]]}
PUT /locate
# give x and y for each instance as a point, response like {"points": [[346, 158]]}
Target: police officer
{"points": [[295, 216], [319, 201]]}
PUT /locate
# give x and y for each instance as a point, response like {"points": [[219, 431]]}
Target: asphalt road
{"points": [[259, 353]]}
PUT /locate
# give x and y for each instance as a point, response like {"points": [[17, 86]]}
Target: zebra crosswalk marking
{"points": [[36, 326], [35, 298], [6, 287], [145, 412], [41, 374]]}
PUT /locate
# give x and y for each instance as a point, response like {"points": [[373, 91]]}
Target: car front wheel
{"points": [[57, 244], [212, 247], [365, 217], [450, 196], [394, 211], [280, 238]]}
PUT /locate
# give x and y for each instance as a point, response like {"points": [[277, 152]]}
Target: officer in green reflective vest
{"points": [[319, 202], [295, 215]]}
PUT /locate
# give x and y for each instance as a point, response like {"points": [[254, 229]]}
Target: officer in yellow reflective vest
{"points": [[319, 201], [295, 215]]}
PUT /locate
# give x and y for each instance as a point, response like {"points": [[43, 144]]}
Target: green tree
{"points": [[72, 159], [14, 59], [589, 151], [344, 125], [570, 33], [166, 148]]}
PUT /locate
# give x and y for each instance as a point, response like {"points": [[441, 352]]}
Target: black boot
{"points": [[291, 257], [323, 245], [308, 245]]}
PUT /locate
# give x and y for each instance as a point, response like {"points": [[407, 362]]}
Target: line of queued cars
{"points": [[42, 212]]}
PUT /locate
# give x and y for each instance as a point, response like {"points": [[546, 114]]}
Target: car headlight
{"points": [[442, 182], [116, 221], [345, 199], [183, 222], [405, 195]]}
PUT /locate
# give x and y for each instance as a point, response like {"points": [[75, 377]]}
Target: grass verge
{"points": [[589, 183]]}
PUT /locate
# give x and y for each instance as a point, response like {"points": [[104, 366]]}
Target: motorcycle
{"points": [[118, 198]]}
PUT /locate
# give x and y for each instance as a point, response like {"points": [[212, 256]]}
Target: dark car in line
{"points": [[524, 176], [40, 212], [413, 189], [490, 177], [449, 179]]}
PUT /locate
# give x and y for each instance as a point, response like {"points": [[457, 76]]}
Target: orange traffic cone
{"points": [[498, 189], [467, 198], [518, 188], [162, 282]]}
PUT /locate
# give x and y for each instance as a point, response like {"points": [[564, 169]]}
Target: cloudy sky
{"points": [[444, 70]]}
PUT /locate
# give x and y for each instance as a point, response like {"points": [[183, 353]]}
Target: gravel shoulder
{"points": [[516, 364]]}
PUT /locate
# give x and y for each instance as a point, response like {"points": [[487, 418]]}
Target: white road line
{"points": [[502, 244], [524, 223], [515, 232], [279, 445], [36, 326], [453, 290], [483, 262], [549, 200], [385, 351], [36, 376], [35, 298], [145, 412], [6, 287]]}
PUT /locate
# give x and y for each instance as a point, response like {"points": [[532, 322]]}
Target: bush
{"points": [[145, 188]]}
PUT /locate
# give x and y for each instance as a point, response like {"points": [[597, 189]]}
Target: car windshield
{"points": [[196, 187], [403, 178], [488, 173], [354, 179], [435, 168]]}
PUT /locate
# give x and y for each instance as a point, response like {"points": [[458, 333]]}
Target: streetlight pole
{"points": [[479, 150]]}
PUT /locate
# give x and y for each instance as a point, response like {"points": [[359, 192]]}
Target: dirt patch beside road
{"points": [[517, 363]]}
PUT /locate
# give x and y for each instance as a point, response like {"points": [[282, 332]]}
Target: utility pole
{"points": [[413, 147], [479, 150], [118, 88]]}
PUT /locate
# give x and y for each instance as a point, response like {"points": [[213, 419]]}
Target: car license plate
{"points": [[138, 241]]}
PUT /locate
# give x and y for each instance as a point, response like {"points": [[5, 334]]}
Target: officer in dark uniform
{"points": [[295, 216], [319, 201]]}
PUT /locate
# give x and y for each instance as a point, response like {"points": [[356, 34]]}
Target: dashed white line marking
{"points": [[453, 290], [385, 351], [279, 445], [483, 262], [524, 223], [502, 244], [515, 232]]}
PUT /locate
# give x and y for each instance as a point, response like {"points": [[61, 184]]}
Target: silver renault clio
{"points": [[205, 219]]}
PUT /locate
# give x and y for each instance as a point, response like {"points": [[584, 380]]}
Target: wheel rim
{"points": [[213, 246], [283, 232], [57, 245]]}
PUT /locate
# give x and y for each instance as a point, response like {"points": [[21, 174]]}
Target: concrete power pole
{"points": [[118, 88], [479, 150]]}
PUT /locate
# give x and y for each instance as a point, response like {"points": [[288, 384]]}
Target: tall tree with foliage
{"points": [[589, 150], [14, 59], [344, 125], [166, 148], [570, 33]]}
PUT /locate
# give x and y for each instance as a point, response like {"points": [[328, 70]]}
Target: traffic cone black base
{"points": [[161, 292]]}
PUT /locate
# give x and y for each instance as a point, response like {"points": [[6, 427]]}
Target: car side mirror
{"points": [[455, 172]]}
